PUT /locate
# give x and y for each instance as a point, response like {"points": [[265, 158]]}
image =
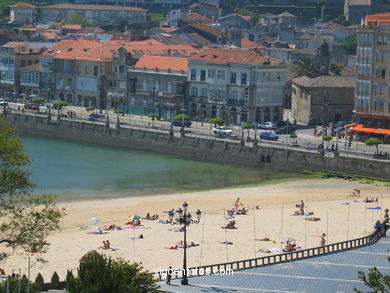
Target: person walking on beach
{"points": [[323, 241], [301, 207], [169, 275]]}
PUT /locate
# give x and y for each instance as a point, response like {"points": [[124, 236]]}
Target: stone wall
{"points": [[196, 148]]}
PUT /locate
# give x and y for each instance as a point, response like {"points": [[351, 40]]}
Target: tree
{"points": [[89, 109], [349, 43], [327, 138], [14, 285], [180, 117], [307, 66], [374, 280], [102, 274], [247, 126], [336, 68], [78, 19], [216, 121], [26, 220], [38, 100], [122, 23], [373, 141], [294, 137]]}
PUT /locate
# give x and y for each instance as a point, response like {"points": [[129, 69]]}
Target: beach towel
{"points": [[269, 250], [373, 208], [138, 227], [97, 233]]}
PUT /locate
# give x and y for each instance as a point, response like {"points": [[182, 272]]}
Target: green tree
{"points": [[327, 138], [247, 126], [373, 142], [38, 101], [78, 19], [122, 23], [336, 68], [294, 137], [307, 66], [216, 121], [180, 117], [26, 220], [89, 109], [102, 274], [374, 280], [14, 285], [349, 43]]}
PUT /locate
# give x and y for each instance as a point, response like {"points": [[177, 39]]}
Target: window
{"points": [[211, 73], [157, 85], [23, 63], [193, 74], [194, 92], [95, 70], [234, 95], [233, 77], [379, 89], [169, 87], [86, 70], [145, 84], [203, 92], [221, 74], [203, 75], [243, 78], [121, 69]]}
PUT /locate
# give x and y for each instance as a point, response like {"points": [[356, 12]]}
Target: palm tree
{"points": [[307, 66]]}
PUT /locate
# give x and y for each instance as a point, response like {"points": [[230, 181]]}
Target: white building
{"points": [[236, 85]]}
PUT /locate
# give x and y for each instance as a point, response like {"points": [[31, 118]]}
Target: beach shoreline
{"points": [[327, 198]]}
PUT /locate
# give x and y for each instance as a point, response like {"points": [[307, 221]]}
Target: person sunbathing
{"points": [[182, 229], [231, 225], [147, 216], [108, 245], [314, 219]]}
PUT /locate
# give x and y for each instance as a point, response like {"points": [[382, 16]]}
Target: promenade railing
{"points": [[275, 258]]}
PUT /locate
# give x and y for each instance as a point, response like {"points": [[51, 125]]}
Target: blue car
{"points": [[268, 135]]}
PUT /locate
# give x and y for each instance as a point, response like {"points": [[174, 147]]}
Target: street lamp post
{"points": [[187, 220]]}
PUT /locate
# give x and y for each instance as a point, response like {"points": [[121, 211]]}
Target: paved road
{"points": [[204, 130]]}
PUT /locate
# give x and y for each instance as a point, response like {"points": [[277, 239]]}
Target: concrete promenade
{"points": [[336, 272]]}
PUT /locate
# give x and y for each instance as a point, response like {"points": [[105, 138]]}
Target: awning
{"points": [[368, 129], [351, 125], [372, 116]]}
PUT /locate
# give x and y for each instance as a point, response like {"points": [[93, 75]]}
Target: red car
{"points": [[31, 107]]}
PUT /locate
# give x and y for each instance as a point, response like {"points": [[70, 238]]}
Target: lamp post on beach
{"points": [[186, 219]]}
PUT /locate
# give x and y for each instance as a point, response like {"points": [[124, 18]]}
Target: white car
{"points": [[3, 103], [267, 125], [222, 130]]}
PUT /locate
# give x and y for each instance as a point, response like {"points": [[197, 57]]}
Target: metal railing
{"points": [[276, 258]]}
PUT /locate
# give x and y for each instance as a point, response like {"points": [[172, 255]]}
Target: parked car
{"points": [[285, 129], [267, 125], [96, 116], [268, 135], [233, 136], [284, 123], [187, 123], [222, 130], [3, 103], [31, 107]]}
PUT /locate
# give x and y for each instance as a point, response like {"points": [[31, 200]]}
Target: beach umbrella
{"points": [[134, 217], [94, 220], [289, 239], [237, 204]]}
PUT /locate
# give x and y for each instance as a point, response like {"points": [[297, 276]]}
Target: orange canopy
{"points": [[367, 129]]}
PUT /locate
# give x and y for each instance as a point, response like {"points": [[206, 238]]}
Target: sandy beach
{"points": [[327, 199]]}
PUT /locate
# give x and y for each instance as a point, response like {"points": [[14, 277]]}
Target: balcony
{"points": [[158, 94], [145, 93], [198, 99], [236, 102]]}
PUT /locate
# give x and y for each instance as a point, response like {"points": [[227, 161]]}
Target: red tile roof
{"points": [[49, 35], [209, 29], [100, 51], [72, 26], [226, 56], [164, 63], [93, 7], [168, 29], [247, 44], [193, 17], [23, 5], [380, 17]]}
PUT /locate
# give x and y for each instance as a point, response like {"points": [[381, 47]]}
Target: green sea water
{"points": [[73, 170]]}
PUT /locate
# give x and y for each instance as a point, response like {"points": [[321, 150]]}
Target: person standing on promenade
{"points": [[169, 275]]}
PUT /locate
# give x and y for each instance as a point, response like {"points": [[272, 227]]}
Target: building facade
{"points": [[323, 99], [23, 13], [236, 85], [157, 85], [13, 57], [372, 87]]}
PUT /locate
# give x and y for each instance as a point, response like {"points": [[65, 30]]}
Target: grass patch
{"points": [[157, 16], [345, 176]]}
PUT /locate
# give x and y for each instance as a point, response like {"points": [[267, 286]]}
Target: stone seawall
{"points": [[198, 148]]}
